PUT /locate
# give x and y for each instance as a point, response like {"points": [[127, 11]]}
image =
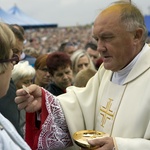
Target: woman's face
{"points": [[28, 80], [83, 63], [42, 76], [5, 78], [63, 77]]}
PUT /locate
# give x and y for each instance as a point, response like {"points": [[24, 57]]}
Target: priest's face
{"points": [[116, 45]]}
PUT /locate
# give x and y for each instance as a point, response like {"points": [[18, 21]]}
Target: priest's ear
{"points": [[138, 35]]}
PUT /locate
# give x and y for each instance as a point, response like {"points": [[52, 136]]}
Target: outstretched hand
{"points": [[105, 143], [31, 101]]}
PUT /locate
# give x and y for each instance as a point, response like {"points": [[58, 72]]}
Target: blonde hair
{"points": [[75, 58], [7, 42]]}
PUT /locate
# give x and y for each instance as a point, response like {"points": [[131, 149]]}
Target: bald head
{"points": [[128, 14]]}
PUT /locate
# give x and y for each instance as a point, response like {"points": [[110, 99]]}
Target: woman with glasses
{"points": [[42, 76], [12, 113], [9, 138]]}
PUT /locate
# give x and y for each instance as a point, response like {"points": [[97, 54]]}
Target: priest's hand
{"points": [[29, 98], [105, 143]]}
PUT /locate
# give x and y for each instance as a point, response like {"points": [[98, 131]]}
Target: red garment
{"points": [[52, 132], [33, 126]]}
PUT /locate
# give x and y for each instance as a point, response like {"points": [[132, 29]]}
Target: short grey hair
{"points": [[21, 70], [131, 17]]}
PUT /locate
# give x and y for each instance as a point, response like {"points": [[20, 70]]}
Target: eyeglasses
{"points": [[14, 60], [44, 69]]}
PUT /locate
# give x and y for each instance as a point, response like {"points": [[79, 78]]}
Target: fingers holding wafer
{"points": [[25, 88]]}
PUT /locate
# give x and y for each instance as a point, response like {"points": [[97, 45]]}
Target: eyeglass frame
{"points": [[14, 60], [44, 69]]}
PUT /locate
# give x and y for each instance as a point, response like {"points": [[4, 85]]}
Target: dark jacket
{"points": [[54, 89], [9, 109]]}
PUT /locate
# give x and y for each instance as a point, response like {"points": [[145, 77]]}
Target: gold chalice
{"points": [[81, 137]]}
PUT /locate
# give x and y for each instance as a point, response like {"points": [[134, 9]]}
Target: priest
{"points": [[115, 101]]}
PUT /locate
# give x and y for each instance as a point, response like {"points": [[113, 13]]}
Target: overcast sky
{"points": [[66, 12]]}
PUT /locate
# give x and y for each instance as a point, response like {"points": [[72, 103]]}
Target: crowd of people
{"points": [[57, 81], [50, 39]]}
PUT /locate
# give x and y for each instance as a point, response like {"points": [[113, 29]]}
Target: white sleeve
{"points": [[9, 137], [132, 144]]}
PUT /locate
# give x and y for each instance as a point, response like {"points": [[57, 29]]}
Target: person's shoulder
{"points": [[51, 86], [11, 92], [54, 89]]}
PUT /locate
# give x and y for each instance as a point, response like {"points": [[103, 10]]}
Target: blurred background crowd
{"points": [[49, 39]]}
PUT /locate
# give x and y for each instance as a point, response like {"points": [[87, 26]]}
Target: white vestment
{"points": [[122, 111], [9, 137]]}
